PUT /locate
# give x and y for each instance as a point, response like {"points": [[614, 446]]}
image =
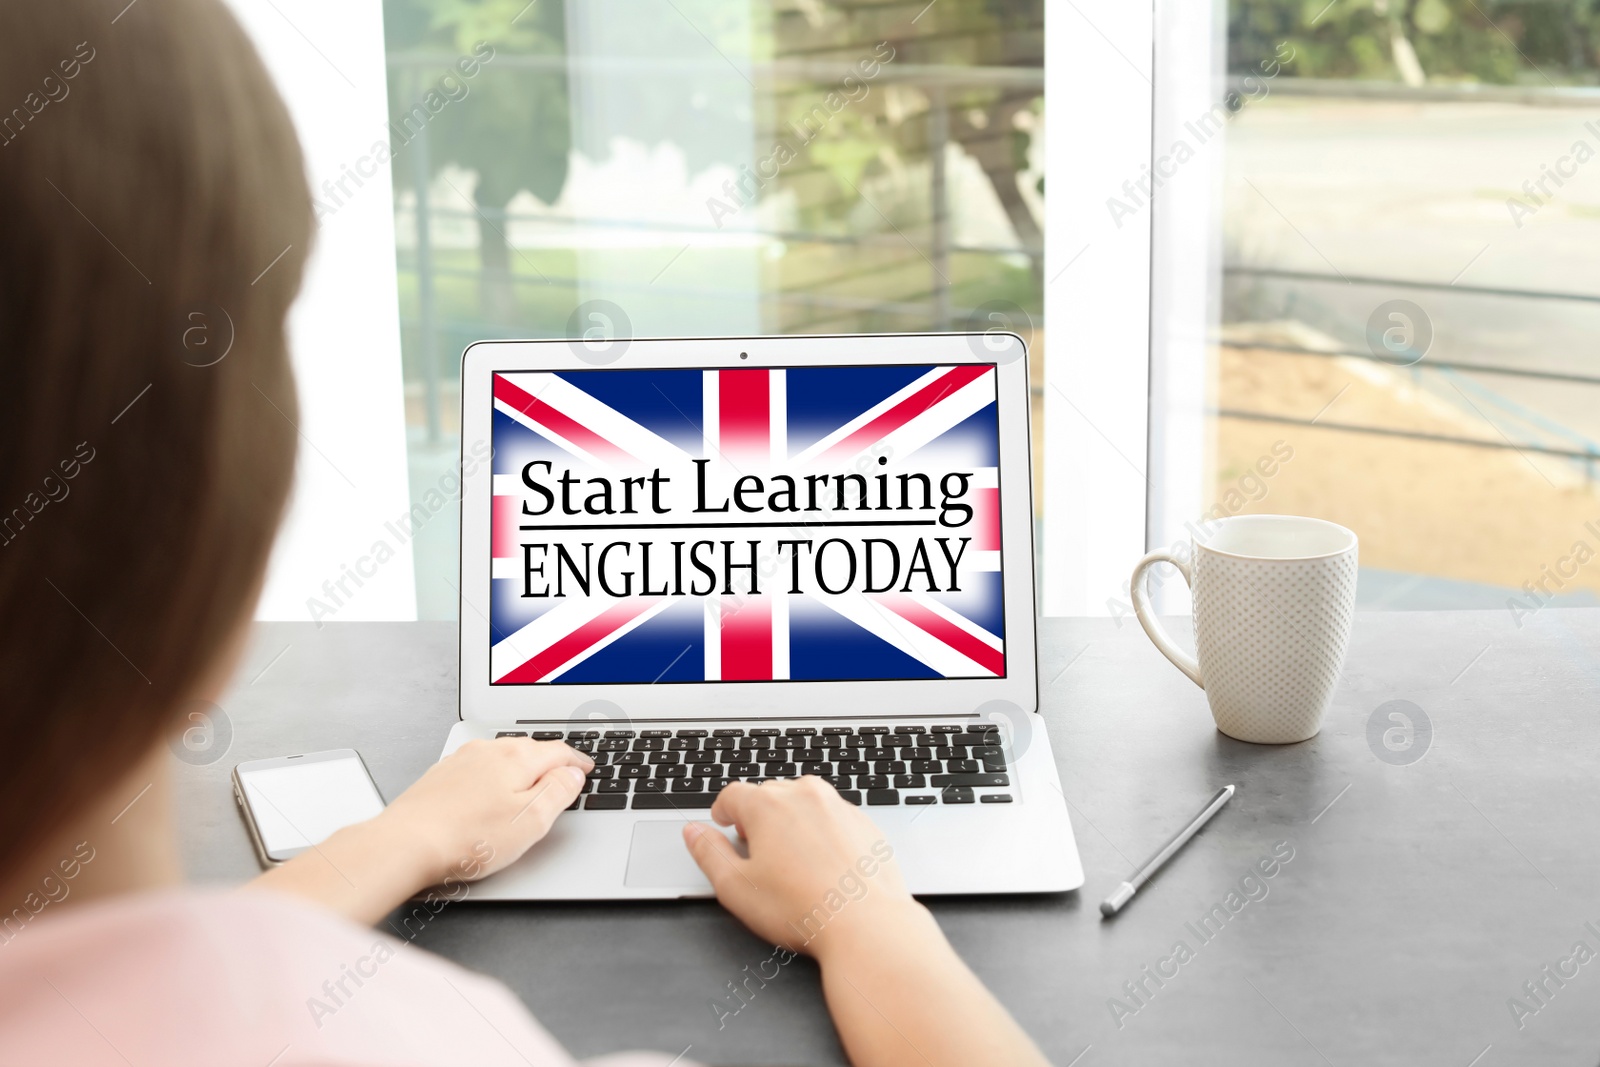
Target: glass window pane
{"points": [[1407, 209], [697, 168]]}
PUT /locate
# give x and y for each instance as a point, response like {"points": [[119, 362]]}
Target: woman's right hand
{"points": [[818, 873], [821, 879]]}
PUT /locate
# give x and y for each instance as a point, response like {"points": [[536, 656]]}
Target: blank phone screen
{"points": [[302, 804]]}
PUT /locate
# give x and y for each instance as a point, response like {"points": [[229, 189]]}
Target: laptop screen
{"points": [[824, 523]]}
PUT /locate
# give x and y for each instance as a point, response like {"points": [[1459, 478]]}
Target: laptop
{"points": [[712, 560]]}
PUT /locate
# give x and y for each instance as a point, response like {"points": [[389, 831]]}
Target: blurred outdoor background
{"points": [[1442, 153], [694, 167], [701, 167]]}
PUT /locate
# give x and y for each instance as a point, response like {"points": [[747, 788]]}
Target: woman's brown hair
{"points": [[154, 215]]}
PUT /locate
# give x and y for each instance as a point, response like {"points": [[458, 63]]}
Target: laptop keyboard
{"points": [[876, 765]]}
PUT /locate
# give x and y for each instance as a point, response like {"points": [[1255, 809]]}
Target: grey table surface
{"points": [[1420, 899]]}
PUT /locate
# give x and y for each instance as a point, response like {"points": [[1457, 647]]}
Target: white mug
{"points": [[1273, 600]]}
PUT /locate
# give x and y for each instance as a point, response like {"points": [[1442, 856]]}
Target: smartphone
{"points": [[293, 803]]}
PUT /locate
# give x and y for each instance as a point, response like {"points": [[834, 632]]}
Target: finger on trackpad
{"points": [[658, 859]]}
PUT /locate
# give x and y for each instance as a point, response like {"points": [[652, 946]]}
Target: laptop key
{"points": [[613, 734], [692, 785], [837, 731], [583, 735], [939, 781], [613, 785], [602, 772], [633, 770], [728, 732], [546, 735], [659, 759], [962, 766], [629, 757], [957, 795], [509, 733], [922, 798], [605, 803], [910, 781], [655, 733], [910, 730], [614, 745], [677, 770], [886, 766], [925, 766], [683, 744], [838, 781], [718, 744], [995, 798], [743, 770], [800, 731], [649, 744], [672, 802], [707, 770], [782, 770], [947, 729], [853, 766], [716, 785], [764, 731], [852, 796], [651, 785], [882, 796], [823, 769], [690, 733], [872, 781]]}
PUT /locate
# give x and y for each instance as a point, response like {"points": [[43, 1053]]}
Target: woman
{"points": [[149, 172]]}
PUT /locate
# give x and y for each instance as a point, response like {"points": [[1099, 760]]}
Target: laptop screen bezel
{"points": [[741, 701]]}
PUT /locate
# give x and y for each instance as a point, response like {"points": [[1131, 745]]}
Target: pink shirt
{"points": [[196, 978]]}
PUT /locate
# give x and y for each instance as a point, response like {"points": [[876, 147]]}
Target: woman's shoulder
{"points": [[216, 977]]}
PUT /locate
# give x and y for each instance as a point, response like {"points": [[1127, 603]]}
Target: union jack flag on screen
{"points": [[833, 523]]}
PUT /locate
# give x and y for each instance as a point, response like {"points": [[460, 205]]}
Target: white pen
{"points": [[1124, 892]]}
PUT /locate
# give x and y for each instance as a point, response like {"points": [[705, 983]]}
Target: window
{"points": [[697, 168], [1373, 292]]}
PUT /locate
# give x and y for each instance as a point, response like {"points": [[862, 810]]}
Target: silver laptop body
{"points": [[838, 533]]}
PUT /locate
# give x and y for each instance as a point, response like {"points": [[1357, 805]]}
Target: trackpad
{"points": [[659, 859]]}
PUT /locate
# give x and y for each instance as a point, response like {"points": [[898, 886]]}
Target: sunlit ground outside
{"points": [[1462, 484]]}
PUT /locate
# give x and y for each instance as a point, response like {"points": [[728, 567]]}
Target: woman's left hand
{"points": [[485, 804], [473, 813]]}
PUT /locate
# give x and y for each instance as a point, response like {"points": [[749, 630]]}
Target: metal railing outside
{"points": [[936, 81], [1587, 455]]}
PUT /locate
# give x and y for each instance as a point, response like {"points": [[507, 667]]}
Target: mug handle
{"points": [[1147, 618]]}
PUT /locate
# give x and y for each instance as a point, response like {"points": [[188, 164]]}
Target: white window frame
{"points": [[1129, 306], [344, 550], [1099, 93]]}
